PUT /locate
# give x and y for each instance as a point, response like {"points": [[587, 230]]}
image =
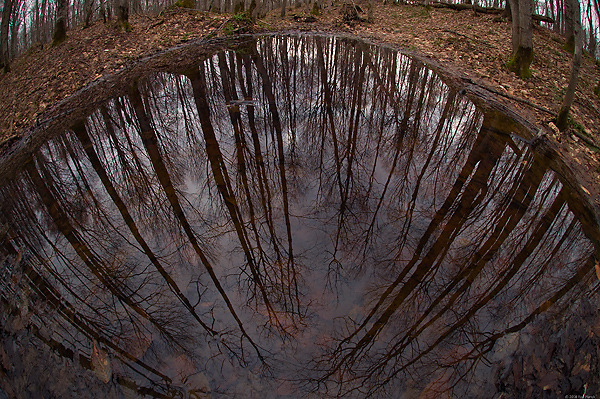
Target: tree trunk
{"points": [[238, 7], [570, 26], [558, 8], [507, 11], [88, 12], [522, 37], [35, 29], [44, 26], [103, 10], [593, 44], [15, 25], [252, 10], [561, 120], [6, 13], [123, 15], [597, 10], [60, 27], [551, 13]]}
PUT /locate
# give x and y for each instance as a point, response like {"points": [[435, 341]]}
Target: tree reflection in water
{"points": [[321, 213]]}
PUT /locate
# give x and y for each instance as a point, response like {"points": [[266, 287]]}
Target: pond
{"points": [[302, 216]]}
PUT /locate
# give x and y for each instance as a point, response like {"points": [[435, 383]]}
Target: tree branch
{"points": [[511, 97], [483, 10]]}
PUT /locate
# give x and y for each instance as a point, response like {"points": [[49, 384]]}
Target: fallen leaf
{"points": [[586, 190], [582, 365], [101, 363], [550, 381], [537, 363]]}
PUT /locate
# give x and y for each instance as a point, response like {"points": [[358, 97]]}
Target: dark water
{"points": [[302, 217]]}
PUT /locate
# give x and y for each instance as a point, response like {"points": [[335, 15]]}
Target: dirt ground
{"points": [[472, 46]]}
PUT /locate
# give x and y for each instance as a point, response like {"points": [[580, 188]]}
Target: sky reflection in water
{"points": [[302, 215]]}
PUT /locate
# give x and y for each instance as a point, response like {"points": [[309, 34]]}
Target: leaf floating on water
{"points": [[101, 363], [586, 190], [550, 381], [506, 346], [583, 365], [537, 363], [198, 386]]}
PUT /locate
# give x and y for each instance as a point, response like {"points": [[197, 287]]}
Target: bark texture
{"points": [[60, 27], [123, 16], [562, 119], [570, 24], [522, 38], [6, 13]]}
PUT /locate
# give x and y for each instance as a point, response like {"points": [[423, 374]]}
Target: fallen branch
{"points": [[461, 7], [483, 10], [590, 104], [154, 25], [585, 139], [590, 142], [511, 97], [478, 41]]}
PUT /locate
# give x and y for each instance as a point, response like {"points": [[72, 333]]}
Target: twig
{"points": [[585, 139], [511, 97], [155, 24], [478, 41], [222, 25], [589, 104], [483, 10], [577, 133]]}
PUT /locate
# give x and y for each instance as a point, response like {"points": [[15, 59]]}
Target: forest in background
{"points": [[103, 39], [26, 23]]}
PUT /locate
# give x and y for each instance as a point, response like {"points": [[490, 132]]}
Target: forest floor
{"points": [[470, 45]]}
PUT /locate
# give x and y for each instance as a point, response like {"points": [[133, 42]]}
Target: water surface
{"points": [[302, 216]]}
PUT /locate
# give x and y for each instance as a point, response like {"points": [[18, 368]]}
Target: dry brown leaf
{"points": [[586, 190], [582, 365], [550, 381], [101, 363]]}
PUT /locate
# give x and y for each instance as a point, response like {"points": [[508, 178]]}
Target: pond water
{"points": [[302, 217]]}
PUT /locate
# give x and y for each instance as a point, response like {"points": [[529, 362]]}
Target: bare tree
{"points": [[151, 144], [88, 12], [593, 40], [19, 14], [561, 120], [123, 15], [569, 17], [60, 26], [7, 11], [522, 37]]}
